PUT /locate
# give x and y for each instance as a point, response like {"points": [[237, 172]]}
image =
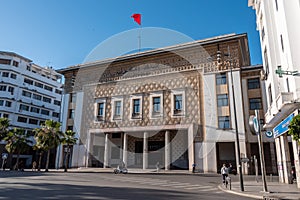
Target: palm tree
{"points": [[17, 142], [4, 124], [69, 139], [47, 137]]}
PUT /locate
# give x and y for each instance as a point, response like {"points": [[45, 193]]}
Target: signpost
{"points": [[255, 128]]}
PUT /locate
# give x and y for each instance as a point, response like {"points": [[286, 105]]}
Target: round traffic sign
{"points": [[269, 134], [254, 124]]}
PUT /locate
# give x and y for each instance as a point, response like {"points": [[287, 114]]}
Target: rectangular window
{"points": [[11, 89], [24, 107], [100, 109], [5, 61], [37, 84], [55, 114], [178, 102], [5, 74], [253, 83], [70, 128], [8, 104], [5, 115], [156, 105], [33, 121], [28, 67], [26, 93], [270, 95], [281, 41], [34, 110], [1, 102], [222, 100], [221, 79], [287, 85], [22, 119], [2, 87], [136, 107], [46, 87], [116, 135], [45, 112], [266, 62], [15, 63], [255, 103], [56, 102], [117, 111], [71, 113], [28, 81], [37, 97], [58, 91], [13, 76], [73, 98], [42, 122], [46, 99], [224, 122]]}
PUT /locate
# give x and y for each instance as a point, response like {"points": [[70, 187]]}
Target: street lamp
{"points": [[235, 120]]}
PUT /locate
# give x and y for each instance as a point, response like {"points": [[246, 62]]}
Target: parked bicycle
{"points": [[120, 170]]}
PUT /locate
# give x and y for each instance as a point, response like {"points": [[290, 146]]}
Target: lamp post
{"points": [[219, 55], [237, 134]]}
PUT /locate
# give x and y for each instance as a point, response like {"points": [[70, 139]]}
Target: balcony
{"points": [[284, 105]]}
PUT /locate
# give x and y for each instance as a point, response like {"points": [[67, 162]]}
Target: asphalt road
{"points": [[104, 186]]}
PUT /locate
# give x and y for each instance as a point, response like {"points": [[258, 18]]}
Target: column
{"points": [[125, 146], [106, 151], [191, 153], [145, 151], [279, 160], [286, 160], [167, 150]]}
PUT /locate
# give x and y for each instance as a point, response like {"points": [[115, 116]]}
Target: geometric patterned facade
{"points": [[173, 139]]}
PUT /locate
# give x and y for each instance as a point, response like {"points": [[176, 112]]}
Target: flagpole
{"points": [[137, 19], [140, 38]]}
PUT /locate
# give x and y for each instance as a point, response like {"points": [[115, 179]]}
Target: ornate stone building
{"points": [[172, 106]]}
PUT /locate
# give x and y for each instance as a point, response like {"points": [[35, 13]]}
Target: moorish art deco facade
{"points": [[172, 106]]}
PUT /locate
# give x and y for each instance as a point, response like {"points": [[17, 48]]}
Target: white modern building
{"points": [[29, 94], [278, 24]]}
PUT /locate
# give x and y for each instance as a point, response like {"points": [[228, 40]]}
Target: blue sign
{"points": [[283, 126]]}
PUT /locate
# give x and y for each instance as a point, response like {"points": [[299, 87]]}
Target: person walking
{"points": [[224, 172], [34, 166]]}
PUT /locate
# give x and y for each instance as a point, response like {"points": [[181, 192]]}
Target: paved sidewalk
{"points": [[254, 189]]}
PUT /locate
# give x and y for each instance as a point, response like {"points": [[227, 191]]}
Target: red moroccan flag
{"points": [[137, 18]]}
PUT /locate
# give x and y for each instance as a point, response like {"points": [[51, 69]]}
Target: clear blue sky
{"points": [[61, 33]]}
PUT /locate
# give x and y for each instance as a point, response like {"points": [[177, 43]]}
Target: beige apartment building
{"points": [[171, 106]]}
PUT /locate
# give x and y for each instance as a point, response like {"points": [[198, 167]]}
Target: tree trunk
{"points": [[67, 159], [48, 159], [17, 163], [40, 161]]}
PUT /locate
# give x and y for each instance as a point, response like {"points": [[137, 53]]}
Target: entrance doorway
{"points": [[225, 154]]}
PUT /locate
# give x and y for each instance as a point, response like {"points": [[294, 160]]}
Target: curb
{"points": [[240, 193]]}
